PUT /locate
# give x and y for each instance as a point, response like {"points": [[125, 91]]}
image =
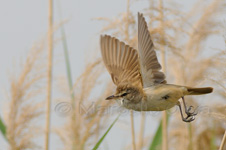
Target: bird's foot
{"points": [[193, 113], [190, 115], [188, 118]]}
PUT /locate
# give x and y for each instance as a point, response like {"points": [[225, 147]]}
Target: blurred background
{"points": [[189, 37]]}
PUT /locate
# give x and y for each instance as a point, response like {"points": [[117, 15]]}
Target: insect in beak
{"points": [[112, 97]]}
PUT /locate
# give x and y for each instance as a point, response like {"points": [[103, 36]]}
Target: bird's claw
{"points": [[189, 113], [189, 118]]}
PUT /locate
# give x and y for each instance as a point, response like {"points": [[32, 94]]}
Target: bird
{"points": [[141, 85]]}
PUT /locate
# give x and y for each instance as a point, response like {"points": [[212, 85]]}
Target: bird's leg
{"points": [[188, 111], [189, 118]]}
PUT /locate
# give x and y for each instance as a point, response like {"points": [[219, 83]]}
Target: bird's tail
{"points": [[199, 91]]}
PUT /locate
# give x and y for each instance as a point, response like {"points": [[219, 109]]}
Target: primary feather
{"points": [[149, 65]]}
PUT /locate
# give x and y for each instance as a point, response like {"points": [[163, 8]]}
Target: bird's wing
{"points": [[149, 65], [121, 61]]}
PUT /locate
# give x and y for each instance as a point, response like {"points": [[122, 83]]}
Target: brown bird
{"points": [[141, 86]]}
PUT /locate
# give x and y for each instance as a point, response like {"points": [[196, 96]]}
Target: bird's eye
{"points": [[124, 94]]}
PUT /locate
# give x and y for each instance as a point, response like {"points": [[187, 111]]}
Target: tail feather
{"points": [[199, 91]]}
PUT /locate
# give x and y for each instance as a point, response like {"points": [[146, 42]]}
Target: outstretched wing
{"points": [[121, 61], [149, 65]]}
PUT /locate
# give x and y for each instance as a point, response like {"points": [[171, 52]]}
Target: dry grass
{"points": [[90, 112], [219, 113], [132, 130], [181, 38], [194, 69], [223, 94], [49, 74], [25, 102], [223, 141], [142, 127]]}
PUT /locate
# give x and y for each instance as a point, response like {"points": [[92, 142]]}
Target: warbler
{"points": [[141, 85]]}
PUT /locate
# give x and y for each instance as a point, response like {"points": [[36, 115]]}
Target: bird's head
{"points": [[126, 92]]}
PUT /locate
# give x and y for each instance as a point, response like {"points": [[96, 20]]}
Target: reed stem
{"points": [[223, 141], [49, 74], [132, 130], [142, 127], [163, 62]]}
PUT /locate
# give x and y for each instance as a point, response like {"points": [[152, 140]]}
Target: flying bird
{"points": [[141, 85]]}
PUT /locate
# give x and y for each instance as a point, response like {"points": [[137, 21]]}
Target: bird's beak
{"points": [[111, 97]]}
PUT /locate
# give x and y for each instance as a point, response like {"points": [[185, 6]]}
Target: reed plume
{"points": [[25, 102], [90, 112]]}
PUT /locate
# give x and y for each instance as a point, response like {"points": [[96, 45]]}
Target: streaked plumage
{"points": [[140, 84]]}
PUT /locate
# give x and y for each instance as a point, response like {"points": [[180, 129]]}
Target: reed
{"points": [[142, 130], [223, 141], [163, 62], [25, 107], [90, 112], [179, 37], [132, 130], [49, 75]]}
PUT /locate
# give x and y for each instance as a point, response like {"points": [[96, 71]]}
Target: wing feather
{"points": [[121, 61], [149, 65]]}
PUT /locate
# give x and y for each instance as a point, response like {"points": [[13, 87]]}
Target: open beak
{"points": [[111, 97]]}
